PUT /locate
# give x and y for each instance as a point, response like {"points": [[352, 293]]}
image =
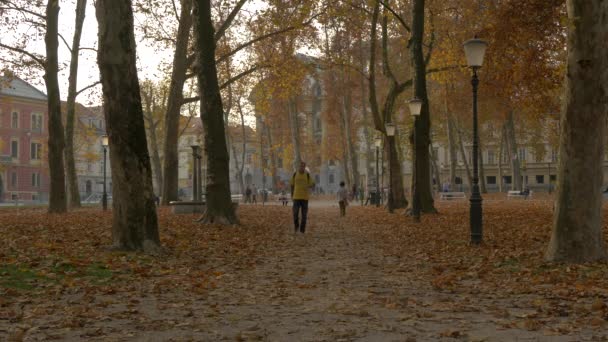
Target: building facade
{"points": [[24, 172]]}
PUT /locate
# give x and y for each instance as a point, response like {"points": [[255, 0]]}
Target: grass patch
{"points": [[20, 278]]}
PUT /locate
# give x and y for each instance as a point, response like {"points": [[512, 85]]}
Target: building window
{"points": [[507, 179], [36, 179], [553, 178], [522, 154], [15, 148], [331, 178], [15, 120], [36, 122], [332, 162], [14, 197], [35, 151], [35, 197], [491, 160], [540, 179], [14, 179], [491, 180], [554, 156], [248, 158]]}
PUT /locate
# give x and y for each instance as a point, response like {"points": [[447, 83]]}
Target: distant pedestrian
{"points": [[301, 184], [342, 198], [248, 195], [283, 198], [254, 195]]}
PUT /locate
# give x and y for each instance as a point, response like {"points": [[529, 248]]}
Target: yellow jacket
{"points": [[301, 184]]}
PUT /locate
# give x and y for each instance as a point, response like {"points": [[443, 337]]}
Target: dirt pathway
{"points": [[333, 283]]}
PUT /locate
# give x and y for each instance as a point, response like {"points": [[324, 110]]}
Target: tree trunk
{"points": [[501, 152], [135, 225], [344, 137], [577, 226], [352, 152], [273, 160], [423, 126], [154, 146], [452, 144], [295, 132], [482, 178], [513, 157], [435, 168], [464, 157], [369, 153], [174, 105], [70, 163], [57, 200], [219, 203]]}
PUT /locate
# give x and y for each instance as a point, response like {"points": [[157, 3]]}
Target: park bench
{"points": [[197, 207], [452, 195], [518, 194]]}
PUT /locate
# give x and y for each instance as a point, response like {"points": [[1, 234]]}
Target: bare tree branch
{"points": [[87, 87], [399, 18], [65, 42], [40, 60], [222, 29]]}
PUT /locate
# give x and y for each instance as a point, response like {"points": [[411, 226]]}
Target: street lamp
{"points": [[377, 143], [474, 50], [415, 105], [104, 197], [390, 133]]}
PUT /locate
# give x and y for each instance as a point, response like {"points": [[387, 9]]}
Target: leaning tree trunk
{"points": [[501, 152], [452, 144], [369, 153], [423, 126], [577, 225], [482, 177], [295, 132], [273, 159], [134, 224], [70, 163], [512, 148], [174, 105], [344, 136], [57, 200], [219, 203]]}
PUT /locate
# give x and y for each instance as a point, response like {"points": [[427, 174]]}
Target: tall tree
{"points": [[577, 234], [70, 164], [57, 198], [174, 105], [135, 225], [423, 122], [219, 204]]}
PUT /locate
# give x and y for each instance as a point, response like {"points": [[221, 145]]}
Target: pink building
{"points": [[23, 142]]}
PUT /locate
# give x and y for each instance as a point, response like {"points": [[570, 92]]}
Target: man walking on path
{"points": [[301, 183]]}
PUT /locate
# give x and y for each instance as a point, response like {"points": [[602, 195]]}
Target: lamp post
{"points": [[390, 133], [104, 197], [415, 105], [377, 143], [475, 50]]}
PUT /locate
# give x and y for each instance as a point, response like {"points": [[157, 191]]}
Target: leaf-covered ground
{"points": [[369, 276]]}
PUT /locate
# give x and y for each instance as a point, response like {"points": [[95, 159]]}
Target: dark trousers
{"points": [[342, 208], [297, 205]]}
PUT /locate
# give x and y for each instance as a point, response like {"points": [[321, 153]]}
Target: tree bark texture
{"points": [[56, 142], [174, 105], [423, 126], [70, 163], [501, 152], [577, 224], [513, 155], [482, 177], [295, 132], [134, 225], [219, 203]]}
